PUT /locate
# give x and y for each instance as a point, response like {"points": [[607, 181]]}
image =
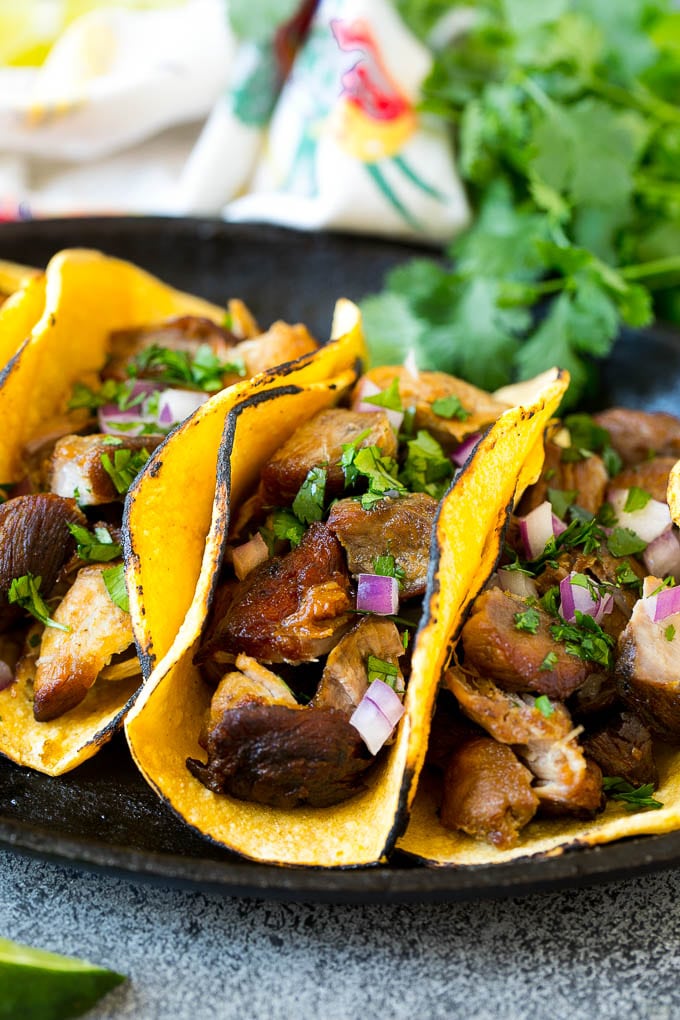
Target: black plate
{"points": [[103, 815]]}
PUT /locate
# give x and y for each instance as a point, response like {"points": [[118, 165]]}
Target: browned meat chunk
{"points": [[345, 677], [423, 388], [597, 694], [70, 661], [623, 747], [588, 478], [516, 658], [291, 608], [648, 671], [283, 756], [34, 539], [184, 333], [281, 343], [401, 527], [637, 435], [77, 471], [651, 475], [508, 718], [487, 792], [319, 442], [568, 782]]}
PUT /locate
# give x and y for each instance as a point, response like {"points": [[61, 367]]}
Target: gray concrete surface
{"points": [[606, 952]]}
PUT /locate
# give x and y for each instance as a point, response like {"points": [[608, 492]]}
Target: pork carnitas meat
{"points": [[494, 647], [183, 333], [76, 468], [402, 527], [319, 442], [34, 539], [622, 746], [487, 792], [650, 475], [264, 747], [638, 435], [291, 608], [344, 680], [588, 478]]}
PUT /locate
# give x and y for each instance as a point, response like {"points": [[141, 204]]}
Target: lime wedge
{"points": [[36, 985]]}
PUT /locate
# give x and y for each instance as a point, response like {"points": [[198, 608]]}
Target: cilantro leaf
{"points": [[114, 579], [528, 621], [635, 798], [381, 669], [287, 527], [124, 467], [624, 542], [98, 547], [309, 502], [636, 499], [450, 407], [388, 397], [24, 591], [427, 468]]}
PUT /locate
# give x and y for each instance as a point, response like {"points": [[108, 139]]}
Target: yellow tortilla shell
{"points": [[164, 725], [18, 315], [13, 276], [673, 493], [87, 296]]}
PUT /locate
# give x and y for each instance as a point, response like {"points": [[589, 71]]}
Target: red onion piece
{"points": [[558, 525], [461, 454], [577, 598], [536, 529], [517, 583], [6, 675], [376, 715], [176, 405], [377, 594], [648, 523], [664, 603], [249, 555], [134, 418], [368, 388], [662, 556]]}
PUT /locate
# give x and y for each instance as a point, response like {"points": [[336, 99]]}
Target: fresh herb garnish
{"points": [[124, 467], [637, 499], [379, 471], [561, 500], [606, 516], [669, 632], [380, 669], [550, 600], [427, 468], [626, 577], [543, 703], [585, 639], [202, 371], [529, 620], [98, 547], [309, 502], [635, 798], [587, 438], [388, 398], [24, 591], [548, 664], [386, 566], [287, 527], [114, 579], [624, 542], [450, 407]]}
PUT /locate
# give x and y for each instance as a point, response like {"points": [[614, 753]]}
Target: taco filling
{"points": [[566, 677], [307, 645]]}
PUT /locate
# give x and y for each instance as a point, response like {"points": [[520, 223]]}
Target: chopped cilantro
{"points": [[24, 591], [548, 664], [309, 502], [585, 639], [550, 601], [388, 398], [626, 577], [380, 472], [114, 579], [427, 468], [635, 798], [669, 632], [637, 499], [380, 669], [98, 547], [349, 452], [544, 704], [287, 527], [450, 407], [387, 566], [528, 621], [561, 500], [606, 516], [124, 467], [202, 371], [624, 542]]}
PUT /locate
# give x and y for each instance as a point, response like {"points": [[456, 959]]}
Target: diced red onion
{"points": [[575, 597], [517, 583], [133, 419], [558, 525], [648, 523], [6, 675], [662, 556], [377, 594], [368, 388], [249, 555], [664, 603], [176, 405], [461, 454], [536, 529], [377, 714]]}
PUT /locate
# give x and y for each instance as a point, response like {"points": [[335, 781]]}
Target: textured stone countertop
{"points": [[607, 952]]}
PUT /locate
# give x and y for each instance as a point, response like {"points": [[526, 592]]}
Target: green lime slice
{"points": [[36, 985]]}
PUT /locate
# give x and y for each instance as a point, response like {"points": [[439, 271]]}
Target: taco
{"points": [[115, 360], [558, 723], [243, 727], [20, 310]]}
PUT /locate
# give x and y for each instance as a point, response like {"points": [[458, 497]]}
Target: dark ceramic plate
{"points": [[103, 815]]}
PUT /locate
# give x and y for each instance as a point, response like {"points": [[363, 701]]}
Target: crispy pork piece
{"points": [[184, 333], [34, 539], [291, 608], [587, 478], [281, 343], [70, 661], [401, 527], [648, 670], [516, 659], [487, 792], [76, 469], [651, 475], [421, 389], [568, 783], [622, 746], [319, 442], [638, 435], [345, 676]]}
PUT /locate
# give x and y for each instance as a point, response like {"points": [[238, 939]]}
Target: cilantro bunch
{"points": [[566, 121]]}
